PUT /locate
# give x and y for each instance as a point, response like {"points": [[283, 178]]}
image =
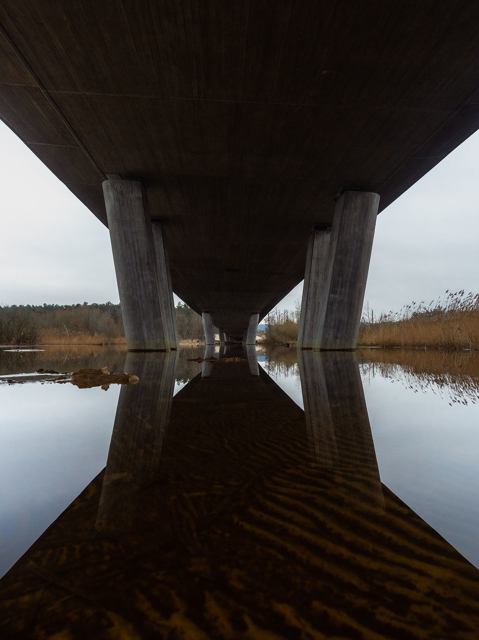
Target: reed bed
{"points": [[453, 376], [57, 337], [451, 322]]}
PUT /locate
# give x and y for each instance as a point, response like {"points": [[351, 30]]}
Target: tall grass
{"points": [[451, 322], [452, 375]]}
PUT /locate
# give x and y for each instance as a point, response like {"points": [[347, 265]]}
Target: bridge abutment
{"points": [[336, 274], [136, 266]]}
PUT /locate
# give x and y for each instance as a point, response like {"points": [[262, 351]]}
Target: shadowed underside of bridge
{"points": [[244, 121]]}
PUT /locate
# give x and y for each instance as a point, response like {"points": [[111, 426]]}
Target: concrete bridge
{"points": [[234, 149]]}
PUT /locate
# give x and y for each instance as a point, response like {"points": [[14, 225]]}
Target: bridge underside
{"points": [[243, 121]]}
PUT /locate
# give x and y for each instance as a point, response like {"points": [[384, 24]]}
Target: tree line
{"points": [[33, 324]]}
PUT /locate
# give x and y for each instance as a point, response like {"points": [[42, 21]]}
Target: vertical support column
{"points": [[252, 329], [350, 253], [165, 293], [208, 328], [135, 265], [317, 278], [222, 336]]}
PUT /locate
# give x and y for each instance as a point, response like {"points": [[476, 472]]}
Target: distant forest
{"points": [[79, 323]]}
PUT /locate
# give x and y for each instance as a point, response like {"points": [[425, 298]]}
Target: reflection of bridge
{"points": [[237, 518], [229, 135]]}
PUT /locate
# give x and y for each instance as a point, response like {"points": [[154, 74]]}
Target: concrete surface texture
{"points": [[243, 121]]}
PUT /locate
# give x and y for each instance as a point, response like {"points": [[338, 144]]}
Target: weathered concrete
{"points": [[208, 328], [165, 292], [317, 278], [349, 256], [135, 265], [337, 419], [243, 154], [250, 334]]}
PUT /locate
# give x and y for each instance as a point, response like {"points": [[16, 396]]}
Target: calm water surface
{"points": [[419, 435]]}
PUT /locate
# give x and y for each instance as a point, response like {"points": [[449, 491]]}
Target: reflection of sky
{"points": [[428, 455], [54, 440], [288, 383]]}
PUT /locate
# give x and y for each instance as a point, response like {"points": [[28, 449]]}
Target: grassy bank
{"points": [[452, 322]]}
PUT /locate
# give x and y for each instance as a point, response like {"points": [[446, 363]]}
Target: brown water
{"points": [[269, 495]]}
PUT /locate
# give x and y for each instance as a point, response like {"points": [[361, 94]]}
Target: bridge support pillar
{"points": [[315, 288], [249, 337], [351, 243], [336, 273], [222, 336], [135, 265], [208, 328], [164, 285]]}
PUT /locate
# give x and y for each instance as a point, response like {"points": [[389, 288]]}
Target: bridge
{"points": [[235, 148]]}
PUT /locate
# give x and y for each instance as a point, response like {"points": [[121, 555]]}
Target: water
{"points": [[234, 463]]}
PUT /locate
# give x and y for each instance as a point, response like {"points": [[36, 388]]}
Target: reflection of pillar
{"points": [[165, 292], [221, 336], [206, 367], [350, 248], [208, 328], [135, 449], [135, 265], [315, 288], [252, 329], [337, 418], [252, 357], [221, 351]]}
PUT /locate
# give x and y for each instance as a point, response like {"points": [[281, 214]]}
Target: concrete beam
{"points": [[135, 265], [165, 292], [250, 334], [317, 279], [349, 254], [208, 328]]}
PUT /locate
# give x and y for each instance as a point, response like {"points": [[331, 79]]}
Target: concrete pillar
{"points": [[317, 277], [350, 248], [135, 265], [208, 328], [165, 293], [337, 419], [252, 329], [140, 425], [222, 336]]}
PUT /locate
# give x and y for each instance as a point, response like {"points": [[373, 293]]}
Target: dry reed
{"points": [[452, 375], [53, 337], [452, 322]]}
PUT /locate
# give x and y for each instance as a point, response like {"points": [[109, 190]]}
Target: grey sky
{"points": [[54, 250]]}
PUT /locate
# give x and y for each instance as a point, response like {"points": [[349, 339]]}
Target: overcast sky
{"points": [[54, 250]]}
